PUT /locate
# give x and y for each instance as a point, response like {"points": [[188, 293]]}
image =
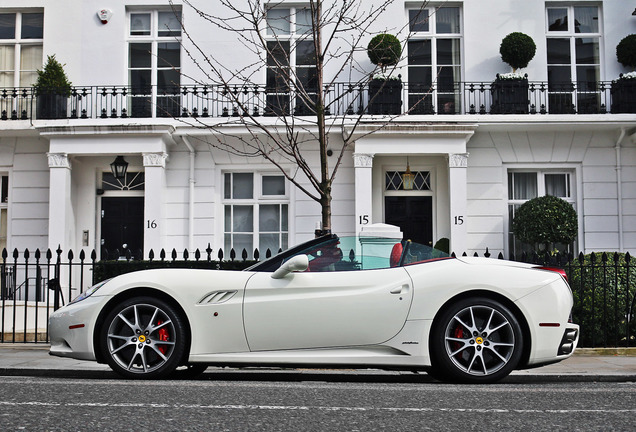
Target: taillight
{"points": [[555, 269]]}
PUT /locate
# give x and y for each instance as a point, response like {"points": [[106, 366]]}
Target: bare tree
{"points": [[294, 113]]}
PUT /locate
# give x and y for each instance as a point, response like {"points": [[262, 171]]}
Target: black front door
{"points": [[122, 225], [414, 216]]}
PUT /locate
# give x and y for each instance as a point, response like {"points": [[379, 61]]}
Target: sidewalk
{"points": [[587, 364]]}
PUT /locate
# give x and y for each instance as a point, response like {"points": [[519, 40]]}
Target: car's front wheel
{"points": [[476, 340], [143, 338]]}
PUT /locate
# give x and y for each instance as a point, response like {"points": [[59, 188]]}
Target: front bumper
{"points": [[71, 328]]}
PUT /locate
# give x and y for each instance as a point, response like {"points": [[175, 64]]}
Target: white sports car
{"points": [[353, 302]]}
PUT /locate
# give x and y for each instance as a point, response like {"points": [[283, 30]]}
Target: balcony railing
{"points": [[533, 98]]}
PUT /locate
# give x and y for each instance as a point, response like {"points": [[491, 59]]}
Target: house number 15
{"points": [[459, 220]]}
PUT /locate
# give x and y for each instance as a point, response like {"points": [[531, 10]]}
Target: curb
{"points": [[333, 376], [631, 351]]}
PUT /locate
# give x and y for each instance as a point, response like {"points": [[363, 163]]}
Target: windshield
{"points": [[333, 253]]}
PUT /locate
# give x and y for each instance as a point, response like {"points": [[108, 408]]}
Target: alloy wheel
{"points": [[480, 340], [141, 338]]}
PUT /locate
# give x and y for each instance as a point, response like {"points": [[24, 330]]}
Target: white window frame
{"points": [[292, 38], [575, 198], [154, 40], [258, 199], [18, 43], [572, 36], [433, 35]]}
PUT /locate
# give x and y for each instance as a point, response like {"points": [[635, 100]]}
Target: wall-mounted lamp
{"points": [[119, 167], [634, 13], [408, 178]]}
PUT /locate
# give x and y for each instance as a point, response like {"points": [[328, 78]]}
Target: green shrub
{"points": [[384, 50], [517, 49], [604, 287], [626, 51], [52, 79], [108, 269], [545, 221]]}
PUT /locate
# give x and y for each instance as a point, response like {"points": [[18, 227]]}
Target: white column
{"points": [[155, 190], [363, 164], [61, 217], [457, 167]]}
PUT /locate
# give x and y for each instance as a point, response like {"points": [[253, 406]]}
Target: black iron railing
{"points": [[32, 285], [390, 97]]}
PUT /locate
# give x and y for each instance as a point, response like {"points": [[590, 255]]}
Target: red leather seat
{"points": [[396, 255]]}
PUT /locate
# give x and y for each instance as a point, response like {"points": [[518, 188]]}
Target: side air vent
{"points": [[217, 297]]}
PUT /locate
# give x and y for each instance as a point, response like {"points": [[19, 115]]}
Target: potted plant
{"points": [[623, 90], [510, 90], [385, 92], [52, 89]]}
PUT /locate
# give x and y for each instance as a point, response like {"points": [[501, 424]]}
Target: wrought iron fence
{"points": [[392, 97], [33, 285]]}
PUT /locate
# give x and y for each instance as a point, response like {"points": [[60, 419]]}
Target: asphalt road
{"points": [[268, 402]]}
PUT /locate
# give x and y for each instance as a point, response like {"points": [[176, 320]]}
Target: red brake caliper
{"points": [[163, 336], [459, 334]]}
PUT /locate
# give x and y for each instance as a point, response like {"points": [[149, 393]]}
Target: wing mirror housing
{"points": [[298, 263]]}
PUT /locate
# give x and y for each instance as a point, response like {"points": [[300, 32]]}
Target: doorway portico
{"points": [[78, 159], [435, 206]]}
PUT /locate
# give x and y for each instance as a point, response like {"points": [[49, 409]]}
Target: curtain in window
{"points": [[586, 19], [522, 186], [557, 185], [7, 57], [30, 62], [168, 24], [447, 19]]}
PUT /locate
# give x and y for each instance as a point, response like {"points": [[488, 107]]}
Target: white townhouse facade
{"points": [[473, 163]]}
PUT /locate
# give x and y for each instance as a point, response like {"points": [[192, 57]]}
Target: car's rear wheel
{"points": [[143, 338], [476, 340]]}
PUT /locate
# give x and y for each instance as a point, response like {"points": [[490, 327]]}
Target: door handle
{"points": [[401, 289]]}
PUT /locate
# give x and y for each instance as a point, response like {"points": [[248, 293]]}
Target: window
{"points": [[255, 213], [291, 61], [434, 56], [21, 36], [394, 181], [525, 185], [4, 204], [132, 181], [573, 40], [154, 63]]}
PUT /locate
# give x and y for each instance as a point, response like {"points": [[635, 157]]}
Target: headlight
{"points": [[89, 292]]}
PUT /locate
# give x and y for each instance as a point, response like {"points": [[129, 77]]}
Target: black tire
{"points": [[143, 338], [476, 340]]}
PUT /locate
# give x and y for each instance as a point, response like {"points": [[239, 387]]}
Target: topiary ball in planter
{"points": [[545, 221], [626, 51], [384, 50], [517, 49]]}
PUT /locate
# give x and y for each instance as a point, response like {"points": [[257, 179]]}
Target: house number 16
{"points": [[152, 224]]}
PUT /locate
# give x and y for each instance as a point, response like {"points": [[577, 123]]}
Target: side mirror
{"points": [[294, 264]]}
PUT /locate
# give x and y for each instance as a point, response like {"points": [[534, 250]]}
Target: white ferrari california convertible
{"points": [[331, 302]]}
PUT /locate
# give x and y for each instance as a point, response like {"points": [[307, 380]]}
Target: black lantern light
{"points": [[119, 167]]}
